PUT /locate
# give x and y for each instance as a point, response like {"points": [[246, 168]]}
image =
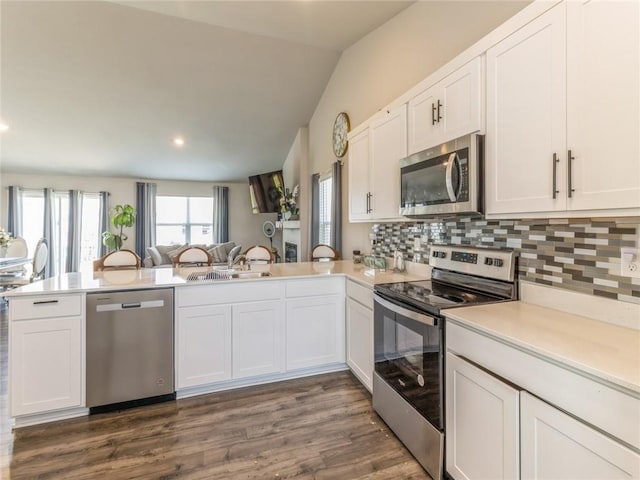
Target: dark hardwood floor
{"points": [[320, 427]]}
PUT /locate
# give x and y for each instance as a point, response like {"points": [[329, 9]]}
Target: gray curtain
{"points": [[315, 210], [220, 214], [336, 206], [49, 229], [104, 221], [74, 233], [14, 219], [145, 217]]}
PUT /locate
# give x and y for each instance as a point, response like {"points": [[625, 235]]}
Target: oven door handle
{"points": [[405, 312]]}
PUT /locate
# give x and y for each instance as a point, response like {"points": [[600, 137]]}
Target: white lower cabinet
{"points": [[203, 336], [257, 333], [46, 365], [315, 331], [559, 447], [495, 430], [482, 439], [360, 333], [46, 351]]}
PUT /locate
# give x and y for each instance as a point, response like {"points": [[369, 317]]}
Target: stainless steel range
{"points": [[408, 381]]}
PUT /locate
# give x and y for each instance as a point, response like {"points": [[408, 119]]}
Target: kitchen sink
{"points": [[250, 274]]}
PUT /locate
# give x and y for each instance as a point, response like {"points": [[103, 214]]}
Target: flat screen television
{"points": [[265, 191]]}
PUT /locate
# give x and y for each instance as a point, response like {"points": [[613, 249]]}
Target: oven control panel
{"points": [[485, 262]]}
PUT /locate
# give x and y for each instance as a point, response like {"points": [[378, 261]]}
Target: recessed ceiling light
{"points": [[178, 141], [3, 127]]}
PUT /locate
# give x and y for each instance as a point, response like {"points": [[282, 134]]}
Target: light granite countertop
{"points": [[169, 277], [606, 351]]}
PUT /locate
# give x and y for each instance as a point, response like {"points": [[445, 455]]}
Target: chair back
{"points": [[17, 248], [259, 254], [40, 257], [192, 256], [323, 252], [117, 260]]}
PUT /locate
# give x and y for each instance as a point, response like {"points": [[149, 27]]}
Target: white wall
{"points": [[245, 228], [388, 62]]}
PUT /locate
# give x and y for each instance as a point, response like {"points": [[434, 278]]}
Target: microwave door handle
{"points": [[453, 159], [418, 317]]}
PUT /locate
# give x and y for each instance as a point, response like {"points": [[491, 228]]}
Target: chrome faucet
{"points": [[240, 258]]}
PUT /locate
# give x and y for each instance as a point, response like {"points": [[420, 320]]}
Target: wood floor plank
{"points": [[313, 428]]}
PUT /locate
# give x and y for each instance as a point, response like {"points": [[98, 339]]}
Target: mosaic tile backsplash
{"points": [[582, 255]]}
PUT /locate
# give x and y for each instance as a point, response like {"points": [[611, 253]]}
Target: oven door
{"points": [[408, 349]]}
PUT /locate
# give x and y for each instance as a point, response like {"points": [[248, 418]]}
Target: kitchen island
{"points": [[228, 333]]}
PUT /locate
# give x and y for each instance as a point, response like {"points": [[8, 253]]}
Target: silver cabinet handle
{"points": [[570, 159], [556, 160], [439, 106], [433, 114]]}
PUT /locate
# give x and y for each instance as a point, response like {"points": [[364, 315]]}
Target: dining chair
{"points": [[16, 249], [259, 254], [192, 256], [38, 266], [117, 260], [322, 252]]}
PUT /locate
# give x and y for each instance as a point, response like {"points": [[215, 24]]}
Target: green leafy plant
{"points": [[121, 216]]}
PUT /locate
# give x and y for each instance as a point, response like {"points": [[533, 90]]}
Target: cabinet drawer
{"points": [[360, 294], [307, 287], [219, 293], [49, 306]]}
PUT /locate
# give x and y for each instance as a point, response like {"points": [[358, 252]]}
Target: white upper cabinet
{"points": [[447, 110], [359, 181], [526, 118], [603, 103], [388, 140], [374, 170], [563, 113]]}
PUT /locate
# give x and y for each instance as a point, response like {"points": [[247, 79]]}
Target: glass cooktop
{"points": [[431, 296]]}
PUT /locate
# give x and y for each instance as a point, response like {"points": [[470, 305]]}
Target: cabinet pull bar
{"points": [[570, 159], [439, 106], [433, 114], [556, 160], [45, 302], [369, 209]]}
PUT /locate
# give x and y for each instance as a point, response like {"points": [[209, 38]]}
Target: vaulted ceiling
{"points": [[102, 88]]}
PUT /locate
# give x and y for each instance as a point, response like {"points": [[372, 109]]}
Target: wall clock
{"points": [[340, 130]]}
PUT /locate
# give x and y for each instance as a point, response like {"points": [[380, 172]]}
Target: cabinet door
{"points": [[360, 342], [603, 117], [257, 332], [557, 446], [481, 425], [423, 128], [315, 331], [388, 145], [45, 365], [526, 118], [461, 102], [203, 345], [359, 189]]}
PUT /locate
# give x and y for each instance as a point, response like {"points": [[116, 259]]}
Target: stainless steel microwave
{"points": [[443, 180]]}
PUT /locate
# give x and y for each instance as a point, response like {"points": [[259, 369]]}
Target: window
{"points": [[32, 217], [325, 211], [33, 226], [182, 220]]}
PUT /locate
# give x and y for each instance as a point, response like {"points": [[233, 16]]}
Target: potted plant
{"points": [[289, 203], [121, 216]]}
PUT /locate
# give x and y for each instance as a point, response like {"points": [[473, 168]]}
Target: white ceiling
{"points": [[98, 88]]}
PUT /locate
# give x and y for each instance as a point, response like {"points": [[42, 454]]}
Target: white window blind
{"points": [[325, 211]]}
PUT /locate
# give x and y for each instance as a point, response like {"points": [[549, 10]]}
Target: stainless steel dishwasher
{"points": [[129, 348]]}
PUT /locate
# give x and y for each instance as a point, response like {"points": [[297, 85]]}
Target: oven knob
{"points": [[498, 262], [434, 254], [488, 261], [442, 254], [421, 380]]}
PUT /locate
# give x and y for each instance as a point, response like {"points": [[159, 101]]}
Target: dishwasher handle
{"points": [[110, 307]]}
